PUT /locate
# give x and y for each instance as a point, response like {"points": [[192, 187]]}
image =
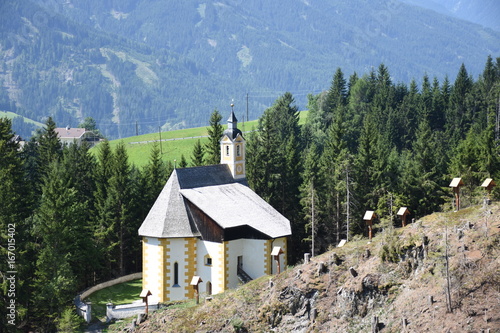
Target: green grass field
{"points": [[123, 293], [10, 115], [172, 150]]}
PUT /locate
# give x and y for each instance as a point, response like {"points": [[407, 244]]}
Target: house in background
{"points": [[208, 223], [69, 135]]}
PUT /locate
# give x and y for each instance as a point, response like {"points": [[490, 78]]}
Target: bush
{"points": [[69, 321]]}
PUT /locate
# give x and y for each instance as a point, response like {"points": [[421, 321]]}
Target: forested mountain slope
{"points": [[144, 64], [483, 12]]}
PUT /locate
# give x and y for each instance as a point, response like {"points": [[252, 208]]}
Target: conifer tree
{"points": [[198, 154], [437, 115], [426, 188], [336, 97], [309, 196], [15, 207], [366, 173], [273, 163], [77, 169], [183, 163], [215, 131], [155, 174], [332, 167], [58, 228], [458, 117], [120, 226], [103, 214], [50, 146]]}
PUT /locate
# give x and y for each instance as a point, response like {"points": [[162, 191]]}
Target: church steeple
{"points": [[232, 126], [233, 147]]}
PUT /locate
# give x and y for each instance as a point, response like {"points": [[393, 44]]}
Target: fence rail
{"points": [[84, 309]]}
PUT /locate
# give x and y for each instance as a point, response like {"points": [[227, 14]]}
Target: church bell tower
{"points": [[232, 148]]}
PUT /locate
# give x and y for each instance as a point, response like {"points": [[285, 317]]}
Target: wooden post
{"points": [[370, 230], [145, 293], [369, 216], [456, 190], [276, 255], [455, 184], [488, 184], [195, 281], [403, 212]]}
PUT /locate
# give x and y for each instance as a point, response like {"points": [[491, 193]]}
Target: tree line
{"points": [[373, 144], [368, 143], [76, 217]]}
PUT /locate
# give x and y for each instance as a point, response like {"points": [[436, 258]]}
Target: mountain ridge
{"points": [[206, 54]]}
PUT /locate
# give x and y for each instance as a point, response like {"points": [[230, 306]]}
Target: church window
{"points": [[176, 275], [238, 152], [227, 150]]}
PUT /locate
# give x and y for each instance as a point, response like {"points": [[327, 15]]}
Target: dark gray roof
{"points": [[168, 216], [232, 118], [214, 191], [233, 205], [204, 176], [232, 130]]}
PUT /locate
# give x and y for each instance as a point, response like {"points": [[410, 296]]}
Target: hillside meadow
{"points": [[174, 144]]}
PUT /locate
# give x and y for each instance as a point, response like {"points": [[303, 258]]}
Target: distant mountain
{"points": [[483, 12], [137, 65]]}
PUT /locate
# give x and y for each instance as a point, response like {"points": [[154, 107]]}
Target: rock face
{"points": [[294, 309], [351, 303]]}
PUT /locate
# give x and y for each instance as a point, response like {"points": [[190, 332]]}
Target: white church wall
{"points": [[213, 273], [177, 254], [152, 274], [252, 253]]}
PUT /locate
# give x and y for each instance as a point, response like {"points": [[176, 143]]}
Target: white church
{"points": [[209, 225]]}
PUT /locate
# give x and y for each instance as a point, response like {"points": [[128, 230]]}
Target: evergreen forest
{"points": [[368, 144]]}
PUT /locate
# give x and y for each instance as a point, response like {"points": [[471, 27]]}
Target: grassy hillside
{"points": [[400, 278], [174, 144]]}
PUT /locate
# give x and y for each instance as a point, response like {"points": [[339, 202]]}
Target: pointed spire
{"points": [[232, 122], [232, 125]]}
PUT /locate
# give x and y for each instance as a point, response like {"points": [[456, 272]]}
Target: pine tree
{"points": [[437, 115], [336, 97], [103, 214], [197, 156], [121, 225], [332, 167], [15, 207], [155, 174], [50, 146], [215, 131], [77, 169], [458, 118], [365, 169], [309, 197], [427, 192], [183, 163], [58, 230], [273, 163]]}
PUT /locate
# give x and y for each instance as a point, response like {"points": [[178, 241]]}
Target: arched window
{"points": [[176, 274], [227, 150], [238, 152]]}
